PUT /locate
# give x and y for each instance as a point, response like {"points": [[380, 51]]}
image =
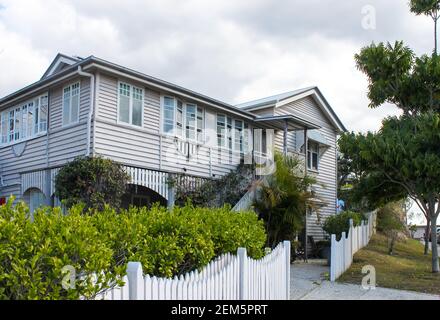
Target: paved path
{"points": [[307, 283]]}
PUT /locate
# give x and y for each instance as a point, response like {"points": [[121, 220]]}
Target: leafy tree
{"points": [[93, 181], [283, 199], [405, 152], [390, 222], [397, 77], [429, 8], [339, 223]]}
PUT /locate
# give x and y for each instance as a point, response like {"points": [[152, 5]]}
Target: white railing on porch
{"points": [[342, 251], [229, 277], [155, 180]]}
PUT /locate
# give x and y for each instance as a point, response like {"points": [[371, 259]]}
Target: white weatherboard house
{"points": [[89, 106]]}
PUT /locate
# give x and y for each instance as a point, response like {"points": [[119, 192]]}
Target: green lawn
{"points": [[407, 269]]}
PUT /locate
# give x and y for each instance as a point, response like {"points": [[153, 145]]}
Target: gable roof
{"points": [[60, 62], [270, 101], [288, 97]]}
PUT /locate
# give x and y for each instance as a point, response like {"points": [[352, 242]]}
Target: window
{"points": [[168, 115], [70, 106], [246, 138], [131, 100], [44, 105], [185, 120], [229, 132], [179, 119], [313, 156], [200, 125], [25, 121], [30, 118], [232, 134], [11, 125], [24, 124], [191, 121], [136, 114], [238, 135], [221, 130], [4, 128]]}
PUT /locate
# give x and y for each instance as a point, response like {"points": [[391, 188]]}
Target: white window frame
{"points": [[241, 137], [310, 153], [130, 105], [31, 133], [70, 86], [244, 137], [182, 133]]}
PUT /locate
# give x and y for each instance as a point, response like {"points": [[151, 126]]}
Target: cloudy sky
{"points": [[231, 50]]}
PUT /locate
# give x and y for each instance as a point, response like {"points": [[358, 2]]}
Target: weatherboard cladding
{"points": [[61, 145], [136, 146], [141, 147], [326, 176]]}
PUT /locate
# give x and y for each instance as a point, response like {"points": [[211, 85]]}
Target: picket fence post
{"points": [[242, 274], [333, 258], [287, 255], [135, 281], [350, 236]]}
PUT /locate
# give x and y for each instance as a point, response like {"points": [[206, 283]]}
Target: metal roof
{"points": [[293, 123], [272, 100]]}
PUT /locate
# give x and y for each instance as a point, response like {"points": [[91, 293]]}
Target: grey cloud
{"points": [[230, 50]]}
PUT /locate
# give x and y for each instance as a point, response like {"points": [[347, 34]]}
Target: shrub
{"points": [[33, 254], [167, 244], [215, 193], [339, 223], [93, 181]]}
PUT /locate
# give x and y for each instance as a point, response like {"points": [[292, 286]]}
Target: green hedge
{"points": [[339, 223], [32, 254]]}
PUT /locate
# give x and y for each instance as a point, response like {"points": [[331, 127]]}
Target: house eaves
{"points": [[288, 97], [91, 61]]}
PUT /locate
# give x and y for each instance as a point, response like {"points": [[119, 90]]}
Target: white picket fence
{"points": [[342, 251], [229, 277]]}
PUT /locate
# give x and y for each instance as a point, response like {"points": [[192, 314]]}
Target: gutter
{"points": [[92, 108], [167, 87]]}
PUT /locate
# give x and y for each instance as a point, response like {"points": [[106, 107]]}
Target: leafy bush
{"points": [[93, 181], [339, 223], [216, 193], [167, 243], [33, 254]]}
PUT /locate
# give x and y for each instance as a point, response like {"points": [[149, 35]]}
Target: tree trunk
{"points": [[391, 244], [427, 230], [435, 36], [434, 248]]}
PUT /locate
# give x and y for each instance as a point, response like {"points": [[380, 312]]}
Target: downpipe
{"points": [[92, 107]]}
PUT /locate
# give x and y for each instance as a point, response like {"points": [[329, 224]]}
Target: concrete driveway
{"points": [[308, 283]]}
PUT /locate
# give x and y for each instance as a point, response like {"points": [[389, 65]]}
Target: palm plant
{"points": [[283, 199]]}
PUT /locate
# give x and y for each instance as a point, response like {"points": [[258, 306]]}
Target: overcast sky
{"points": [[234, 51], [230, 50]]}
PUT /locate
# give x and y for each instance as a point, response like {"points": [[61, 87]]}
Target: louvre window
{"points": [[25, 121]]}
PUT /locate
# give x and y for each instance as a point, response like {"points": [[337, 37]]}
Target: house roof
{"points": [[272, 100], [64, 66], [293, 123], [287, 97]]}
